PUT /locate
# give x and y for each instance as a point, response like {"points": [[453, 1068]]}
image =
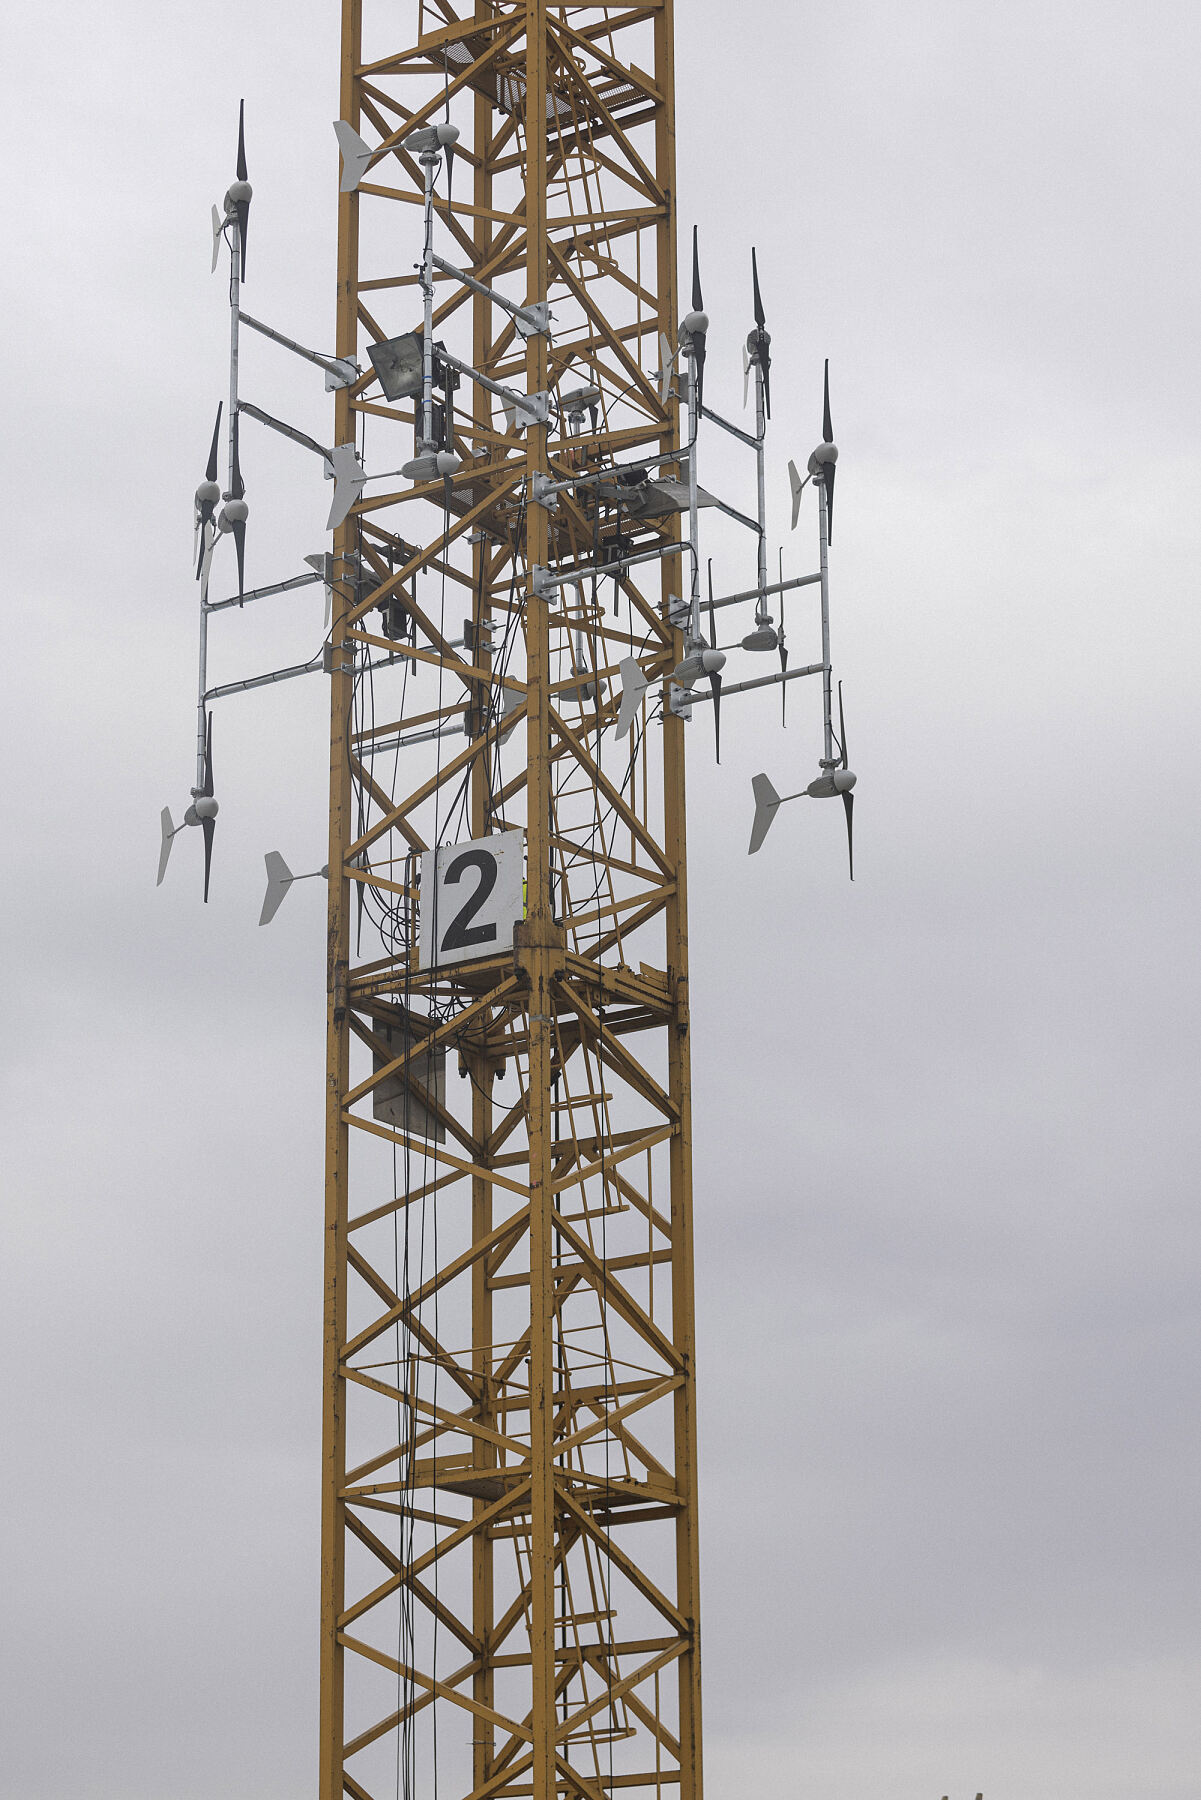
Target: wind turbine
{"points": [[836, 780]]}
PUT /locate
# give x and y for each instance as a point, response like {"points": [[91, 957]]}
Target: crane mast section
{"points": [[509, 1523]]}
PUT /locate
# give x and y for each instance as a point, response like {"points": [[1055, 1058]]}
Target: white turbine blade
{"points": [[211, 534], [766, 802], [356, 155], [279, 880], [348, 483], [323, 564], [797, 485], [168, 830], [510, 412], [665, 361], [509, 704], [746, 376], [218, 225], [633, 685]]}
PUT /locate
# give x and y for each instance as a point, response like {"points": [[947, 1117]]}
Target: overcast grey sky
{"points": [[949, 1311]]}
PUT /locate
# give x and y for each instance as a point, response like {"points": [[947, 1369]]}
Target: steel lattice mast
{"points": [[509, 1536]]}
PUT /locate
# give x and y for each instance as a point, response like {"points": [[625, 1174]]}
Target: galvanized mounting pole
{"points": [[823, 530], [694, 417], [762, 611], [430, 162]]}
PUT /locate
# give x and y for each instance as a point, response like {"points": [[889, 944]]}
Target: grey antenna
{"points": [[633, 686], [357, 156], [349, 480], [798, 483], [766, 802], [279, 880]]}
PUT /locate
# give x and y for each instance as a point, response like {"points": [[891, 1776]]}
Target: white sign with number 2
{"points": [[471, 894]]}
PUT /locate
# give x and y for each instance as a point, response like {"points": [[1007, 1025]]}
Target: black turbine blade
{"points": [[848, 807], [208, 508], [210, 472], [842, 729], [243, 206], [759, 318], [766, 362], [697, 303], [237, 487], [238, 528], [827, 428], [243, 212], [715, 684], [208, 827], [712, 614]]}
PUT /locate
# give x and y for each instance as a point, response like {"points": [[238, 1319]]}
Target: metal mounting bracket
{"points": [[543, 491], [533, 320], [542, 584], [679, 701]]}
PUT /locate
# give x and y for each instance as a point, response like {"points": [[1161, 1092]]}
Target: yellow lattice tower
{"points": [[509, 1550]]}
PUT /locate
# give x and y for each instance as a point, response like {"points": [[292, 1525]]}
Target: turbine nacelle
{"points": [[764, 637], [822, 457], [699, 662], [832, 785], [428, 140], [431, 464]]}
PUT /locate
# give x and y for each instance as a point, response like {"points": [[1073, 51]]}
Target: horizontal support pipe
{"points": [[512, 307], [277, 587], [416, 737], [614, 470], [288, 431], [732, 512], [339, 367], [734, 430], [777, 587], [617, 566], [744, 687], [258, 681]]}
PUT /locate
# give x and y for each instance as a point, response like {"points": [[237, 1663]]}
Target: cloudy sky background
{"points": [[948, 1312]]}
